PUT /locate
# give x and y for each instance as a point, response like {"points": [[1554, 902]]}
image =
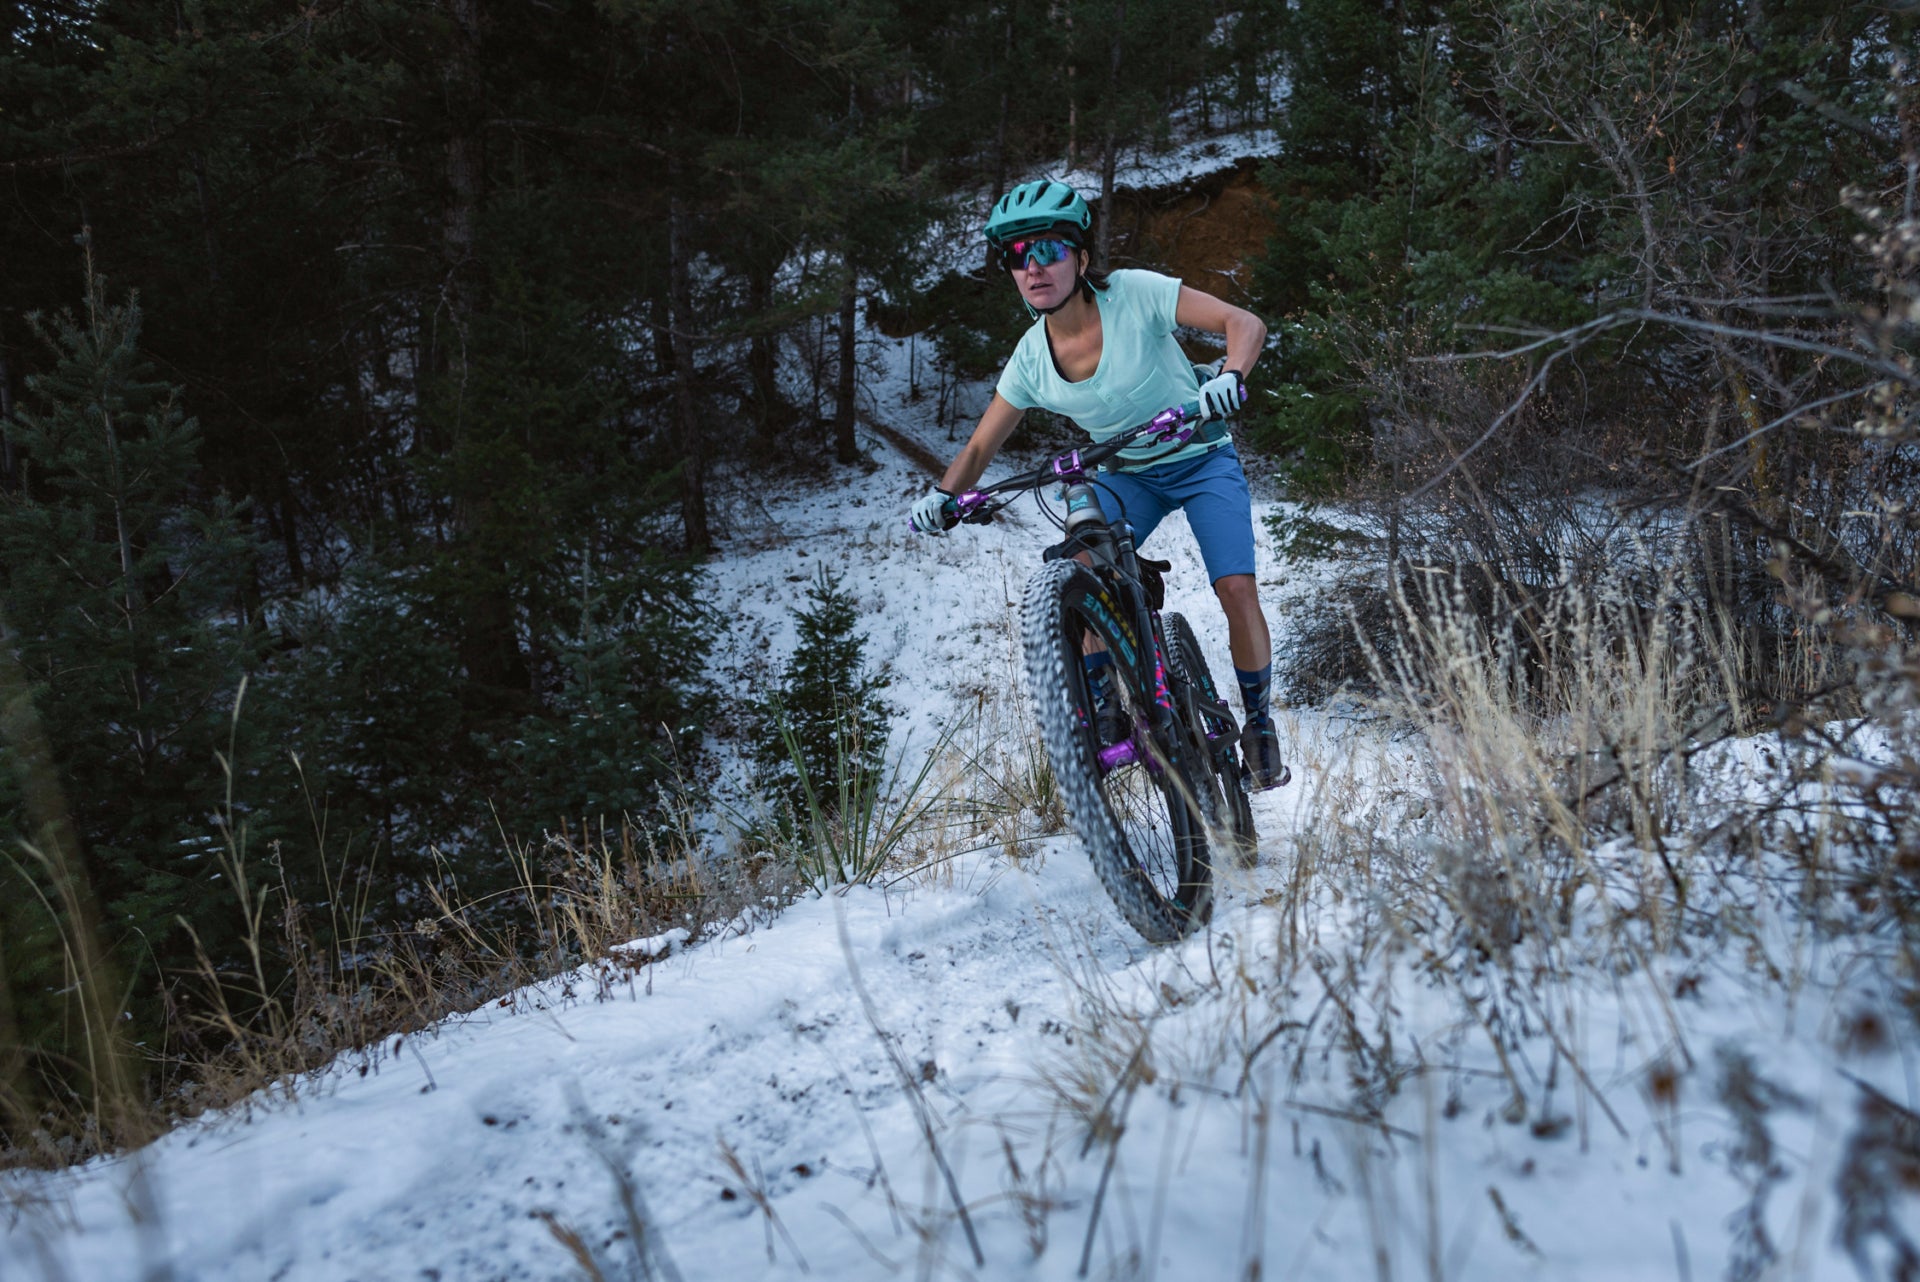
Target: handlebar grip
{"points": [[947, 517]]}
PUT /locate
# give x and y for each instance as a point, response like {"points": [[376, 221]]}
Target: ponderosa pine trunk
{"points": [[693, 462], [1073, 93], [210, 244], [465, 122], [1006, 107], [490, 640], [9, 469], [1104, 240], [844, 448], [770, 409]]}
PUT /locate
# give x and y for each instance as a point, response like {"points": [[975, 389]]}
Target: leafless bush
{"points": [[1759, 441], [1882, 1160], [1750, 1100]]}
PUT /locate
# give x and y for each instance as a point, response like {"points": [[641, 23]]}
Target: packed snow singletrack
{"points": [[975, 1070]]}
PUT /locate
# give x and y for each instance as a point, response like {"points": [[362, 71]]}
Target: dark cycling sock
{"points": [[1256, 693], [1099, 676]]}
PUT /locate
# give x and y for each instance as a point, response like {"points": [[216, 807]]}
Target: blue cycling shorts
{"points": [[1213, 491]]}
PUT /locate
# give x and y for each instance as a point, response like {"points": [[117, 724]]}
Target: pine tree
{"points": [[120, 587], [625, 718], [826, 722]]}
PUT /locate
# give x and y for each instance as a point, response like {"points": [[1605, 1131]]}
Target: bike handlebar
{"points": [[1175, 425]]}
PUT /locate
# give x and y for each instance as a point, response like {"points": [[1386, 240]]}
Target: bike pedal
{"points": [[1250, 785]]}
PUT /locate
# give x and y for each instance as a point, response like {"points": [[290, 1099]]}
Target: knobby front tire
{"points": [[1143, 827]]}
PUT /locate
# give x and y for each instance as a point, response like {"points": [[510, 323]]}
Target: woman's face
{"points": [[1044, 287]]}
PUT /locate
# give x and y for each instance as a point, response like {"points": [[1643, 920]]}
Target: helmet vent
{"points": [[1036, 206]]}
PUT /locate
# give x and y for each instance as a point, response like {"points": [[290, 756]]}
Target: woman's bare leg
{"points": [[1247, 635]]}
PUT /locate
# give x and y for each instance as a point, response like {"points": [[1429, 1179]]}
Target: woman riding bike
{"points": [[1101, 352]]}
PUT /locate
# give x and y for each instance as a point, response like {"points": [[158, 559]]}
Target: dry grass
{"points": [[325, 989], [990, 773], [1547, 851], [108, 1108], [999, 775]]}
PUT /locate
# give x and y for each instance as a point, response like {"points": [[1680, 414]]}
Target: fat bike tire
{"points": [[1144, 826], [1206, 711]]}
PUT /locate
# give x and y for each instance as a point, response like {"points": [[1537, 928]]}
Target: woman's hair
{"points": [[1093, 277]]}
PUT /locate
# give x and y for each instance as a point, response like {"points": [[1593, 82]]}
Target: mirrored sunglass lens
{"points": [[1043, 252]]}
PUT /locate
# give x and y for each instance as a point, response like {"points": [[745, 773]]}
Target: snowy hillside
{"points": [[976, 1070]]}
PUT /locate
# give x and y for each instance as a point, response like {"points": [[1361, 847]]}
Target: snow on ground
{"points": [[1257, 1102]]}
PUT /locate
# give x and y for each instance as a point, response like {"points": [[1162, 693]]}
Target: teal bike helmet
{"points": [[1042, 205], [1036, 206]]}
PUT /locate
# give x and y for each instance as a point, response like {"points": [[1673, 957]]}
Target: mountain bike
{"points": [[1158, 804]]}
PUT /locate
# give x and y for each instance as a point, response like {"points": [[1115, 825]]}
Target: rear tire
{"points": [[1144, 827], [1206, 711]]}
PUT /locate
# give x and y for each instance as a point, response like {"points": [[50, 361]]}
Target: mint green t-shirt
{"points": [[1141, 371]]}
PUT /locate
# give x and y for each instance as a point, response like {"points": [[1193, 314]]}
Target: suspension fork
{"points": [[1150, 669], [1115, 554], [1152, 655]]}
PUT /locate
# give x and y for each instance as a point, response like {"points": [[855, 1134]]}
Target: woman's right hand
{"points": [[934, 512]]}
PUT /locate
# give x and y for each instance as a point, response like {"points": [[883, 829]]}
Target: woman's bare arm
{"points": [[1246, 333], [1001, 417]]}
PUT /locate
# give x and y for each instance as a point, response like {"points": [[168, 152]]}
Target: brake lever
{"points": [[975, 508], [1169, 426], [1176, 425]]}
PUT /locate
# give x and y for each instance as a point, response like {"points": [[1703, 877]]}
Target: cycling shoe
{"points": [[1260, 748]]}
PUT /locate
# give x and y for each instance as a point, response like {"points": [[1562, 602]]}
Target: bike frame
{"points": [[1110, 553]]}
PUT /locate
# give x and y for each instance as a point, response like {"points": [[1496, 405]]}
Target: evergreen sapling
{"points": [[824, 728]]}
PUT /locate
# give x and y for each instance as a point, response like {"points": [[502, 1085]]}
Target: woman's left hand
{"points": [[1221, 395]]}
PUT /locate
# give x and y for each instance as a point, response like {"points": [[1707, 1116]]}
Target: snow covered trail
{"points": [[1016, 1004], [444, 1164], [1272, 1095], [450, 1160]]}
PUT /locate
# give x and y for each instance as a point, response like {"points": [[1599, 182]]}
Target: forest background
{"points": [[368, 369]]}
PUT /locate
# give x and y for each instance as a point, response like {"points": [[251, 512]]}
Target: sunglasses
{"points": [[1017, 254]]}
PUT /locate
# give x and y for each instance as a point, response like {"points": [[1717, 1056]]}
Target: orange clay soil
{"points": [[1206, 233]]}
